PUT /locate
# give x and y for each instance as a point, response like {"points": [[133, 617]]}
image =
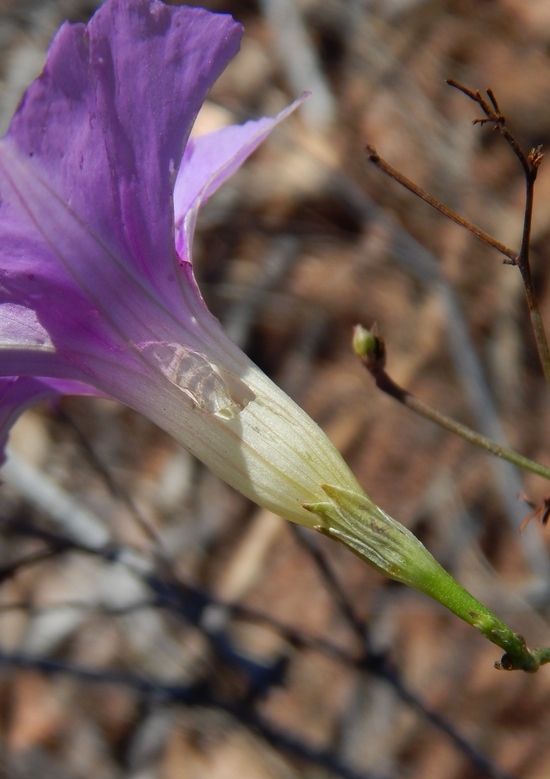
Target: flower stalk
{"points": [[369, 346], [355, 521]]}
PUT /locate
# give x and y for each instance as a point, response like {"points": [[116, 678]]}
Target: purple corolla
{"points": [[100, 187]]}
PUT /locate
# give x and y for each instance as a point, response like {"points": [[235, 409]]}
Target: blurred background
{"points": [[153, 623]]}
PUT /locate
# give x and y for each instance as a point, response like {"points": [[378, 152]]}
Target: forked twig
{"points": [[530, 164], [493, 114]]}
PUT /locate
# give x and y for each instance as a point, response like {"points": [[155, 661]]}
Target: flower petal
{"points": [[208, 161], [88, 166], [18, 393]]}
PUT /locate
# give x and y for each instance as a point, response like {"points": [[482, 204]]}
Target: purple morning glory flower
{"points": [[100, 188], [99, 192]]}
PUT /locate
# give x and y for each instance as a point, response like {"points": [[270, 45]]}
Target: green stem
{"points": [[358, 523], [371, 350], [387, 385]]}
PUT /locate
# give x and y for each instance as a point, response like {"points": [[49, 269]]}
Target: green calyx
{"points": [[355, 521]]}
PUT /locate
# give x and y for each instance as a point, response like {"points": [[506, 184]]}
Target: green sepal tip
{"points": [[355, 521]]}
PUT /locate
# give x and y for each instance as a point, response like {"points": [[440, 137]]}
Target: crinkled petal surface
{"points": [[87, 171], [94, 290]]}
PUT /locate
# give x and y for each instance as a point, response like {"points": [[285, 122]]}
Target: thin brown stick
{"points": [[385, 167]]}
